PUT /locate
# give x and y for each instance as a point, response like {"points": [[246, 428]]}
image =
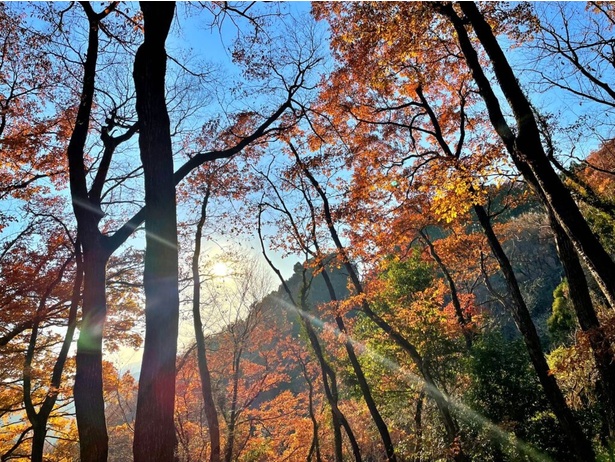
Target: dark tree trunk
{"points": [[588, 320], [338, 455], [39, 433], [418, 427], [88, 389], [233, 414], [431, 388], [154, 438], [332, 395], [208, 398], [315, 445], [39, 420], [578, 441], [527, 152]]}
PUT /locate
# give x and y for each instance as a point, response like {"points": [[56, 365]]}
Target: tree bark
{"points": [[582, 304], [330, 386], [354, 361], [88, 389], [154, 438], [97, 248]]}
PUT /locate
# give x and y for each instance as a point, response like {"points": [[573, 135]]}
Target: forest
{"points": [[278, 231]]}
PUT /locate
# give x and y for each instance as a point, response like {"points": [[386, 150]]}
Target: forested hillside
{"points": [[375, 231]]}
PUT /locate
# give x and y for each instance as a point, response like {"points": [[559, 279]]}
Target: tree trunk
{"points": [[154, 438], [40, 420], [431, 388], [315, 445], [88, 389], [418, 428], [526, 150], [209, 404], [39, 432], [588, 320], [233, 414], [578, 441]]}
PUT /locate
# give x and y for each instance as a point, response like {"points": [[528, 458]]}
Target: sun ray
{"points": [[466, 413]]}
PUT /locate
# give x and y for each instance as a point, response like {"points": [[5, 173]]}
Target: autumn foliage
{"points": [[367, 231]]}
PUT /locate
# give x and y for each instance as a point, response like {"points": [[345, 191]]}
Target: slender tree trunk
{"points": [[315, 445], [418, 427], [208, 398], [154, 438], [39, 419], [358, 371], [233, 414], [578, 441], [432, 389], [450, 424], [338, 455]]}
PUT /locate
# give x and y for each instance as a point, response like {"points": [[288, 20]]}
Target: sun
{"points": [[220, 269]]}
